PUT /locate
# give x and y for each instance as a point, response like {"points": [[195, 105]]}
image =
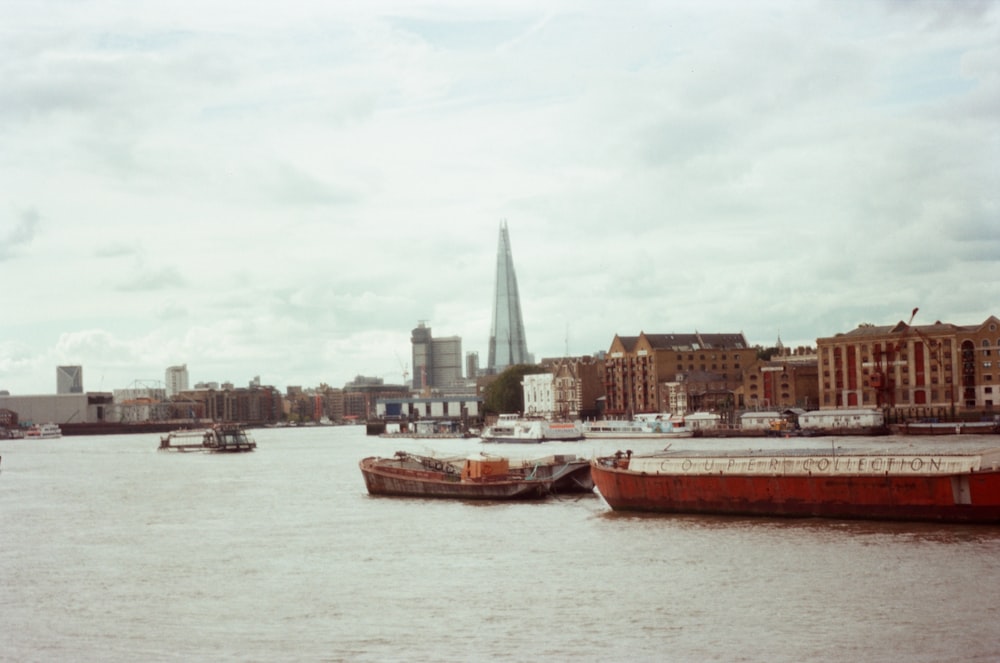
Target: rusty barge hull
{"points": [[383, 479], [953, 488]]}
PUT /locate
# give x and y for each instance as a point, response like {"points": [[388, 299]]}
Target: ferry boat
{"points": [[481, 477], [944, 487], [513, 428], [43, 432], [220, 438], [645, 427]]}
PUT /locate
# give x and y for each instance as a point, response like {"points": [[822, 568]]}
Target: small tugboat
{"points": [[481, 477], [220, 438]]}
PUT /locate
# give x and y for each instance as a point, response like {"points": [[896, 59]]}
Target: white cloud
{"points": [[286, 191]]}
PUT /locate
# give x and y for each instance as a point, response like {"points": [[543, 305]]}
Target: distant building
{"points": [[176, 379], [437, 362], [91, 407], [361, 395], [638, 368], [434, 407], [254, 406], [788, 379], [913, 370], [539, 395], [508, 346], [578, 384], [69, 379], [700, 391], [138, 404], [471, 365]]}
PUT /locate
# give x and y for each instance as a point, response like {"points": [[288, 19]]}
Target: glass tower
{"points": [[507, 343]]}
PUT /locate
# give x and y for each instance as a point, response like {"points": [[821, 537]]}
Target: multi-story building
{"points": [[471, 365], [362, 393], [539, 394], [258, 405], [940, 369], [69, 379], [138, 404], [637, 367], [578, 384], [437, 362], [788, 379], [176, 379], [700, 391]]}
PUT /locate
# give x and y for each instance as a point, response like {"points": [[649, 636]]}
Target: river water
{"points": [[112, 551]]}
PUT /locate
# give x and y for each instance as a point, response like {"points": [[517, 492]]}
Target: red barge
{"points": [[955, 487]]}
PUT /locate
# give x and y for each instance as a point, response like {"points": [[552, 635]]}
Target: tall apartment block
{"points": [[507, 342], [437, 362], [176, 379], [69, 379]]}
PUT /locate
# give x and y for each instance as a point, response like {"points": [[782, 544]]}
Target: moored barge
{"points": [[482, 477], [944, 487]]}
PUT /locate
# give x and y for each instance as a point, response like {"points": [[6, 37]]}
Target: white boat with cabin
{"points": [[640, 427], [43, 432], [514, 428]]}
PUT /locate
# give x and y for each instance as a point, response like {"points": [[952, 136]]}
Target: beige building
{"points": [[939, 370], [637, 368]]}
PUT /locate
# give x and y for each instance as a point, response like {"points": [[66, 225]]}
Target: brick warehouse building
{"points": [[940, 370], [638, 367]]}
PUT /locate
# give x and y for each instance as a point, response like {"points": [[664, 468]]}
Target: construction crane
{"points": [[882, 380], [884, 359], [405, 367]]}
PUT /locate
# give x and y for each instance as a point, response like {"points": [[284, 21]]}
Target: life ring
{"points": [[449, 469], [487, 469]]}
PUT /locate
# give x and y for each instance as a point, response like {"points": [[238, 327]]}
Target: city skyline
{"points": [[283, 191]]}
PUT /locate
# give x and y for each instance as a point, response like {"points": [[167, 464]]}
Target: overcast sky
{"points": [[286, 189]]}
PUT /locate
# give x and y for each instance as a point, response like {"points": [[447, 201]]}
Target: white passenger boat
{"points": [[43, 432], [513, 428], [643, 427]]}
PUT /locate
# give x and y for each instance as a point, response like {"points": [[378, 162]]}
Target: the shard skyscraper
{"points": [[507, 343]]}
